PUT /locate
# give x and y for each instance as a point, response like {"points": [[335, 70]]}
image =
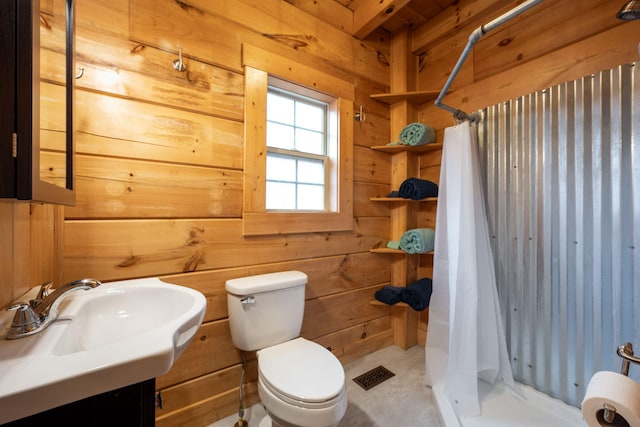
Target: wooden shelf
{"points": [[400, 148], [395, 251], [401, 199], [398, 304], [418, 97], [387, 251]]}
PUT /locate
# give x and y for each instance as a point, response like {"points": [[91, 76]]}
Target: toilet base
{"points": [[266, 421]]}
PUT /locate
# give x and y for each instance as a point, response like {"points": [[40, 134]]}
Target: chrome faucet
{"points": [[35, 316]]}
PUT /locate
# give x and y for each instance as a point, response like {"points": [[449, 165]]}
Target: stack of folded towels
{"points": [[417, 295], [415, 241], [416, 134], [416, 189]]}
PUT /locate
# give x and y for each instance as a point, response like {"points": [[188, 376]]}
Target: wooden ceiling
{"points": [[362, 17], [392, 15], [444, 18]]}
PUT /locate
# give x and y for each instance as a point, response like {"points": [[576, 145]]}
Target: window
{"points": [[298, 164], [297, 151]]}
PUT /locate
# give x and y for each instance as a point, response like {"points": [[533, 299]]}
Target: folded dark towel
{"points": [[389, 294], [416, 189], [394, 194], [418, 294]]}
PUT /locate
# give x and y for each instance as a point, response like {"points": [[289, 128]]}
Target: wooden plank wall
{"points": [[30, 235], [160, 160], [554, 42], [159, 178]]}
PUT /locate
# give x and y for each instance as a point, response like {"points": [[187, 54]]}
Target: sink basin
{"points": [[117, 334]]}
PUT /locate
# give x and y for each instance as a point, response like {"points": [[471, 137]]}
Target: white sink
{"points": [[117, 334]]}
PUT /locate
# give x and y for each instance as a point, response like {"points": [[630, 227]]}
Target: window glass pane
{"points": [[309, 141], [296, 127], [311, 171], [310, 116], [281, 195], [281, 168], [280, 136], [280, 108], [311, 197]]}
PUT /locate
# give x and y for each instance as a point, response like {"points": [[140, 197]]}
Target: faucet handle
{"points": [[24, 321], [43, 292]]}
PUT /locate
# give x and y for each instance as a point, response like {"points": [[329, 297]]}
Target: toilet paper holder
{"points": [[625, 351]]}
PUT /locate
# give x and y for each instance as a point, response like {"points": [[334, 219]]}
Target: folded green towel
{"points": [[417, 134], [418, 240], [393, 244]]}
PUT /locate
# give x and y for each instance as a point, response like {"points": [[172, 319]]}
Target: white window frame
{"points": [[330, 141], [261, 67]]}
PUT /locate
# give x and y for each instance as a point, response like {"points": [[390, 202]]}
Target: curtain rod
{"points": [[473, 39]]}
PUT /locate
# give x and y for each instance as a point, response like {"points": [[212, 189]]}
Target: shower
{"points": [[553, 351]]}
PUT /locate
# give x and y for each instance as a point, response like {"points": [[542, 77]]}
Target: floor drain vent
{"points": [[373, 377]]}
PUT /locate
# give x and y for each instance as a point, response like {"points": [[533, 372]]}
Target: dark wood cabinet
{"points": [[36, 137], [130, 406]]}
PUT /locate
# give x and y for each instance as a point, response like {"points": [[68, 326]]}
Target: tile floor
{"points": [[401, 401]]}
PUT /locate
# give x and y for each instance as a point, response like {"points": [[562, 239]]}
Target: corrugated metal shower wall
{"points": [[562, 177]]}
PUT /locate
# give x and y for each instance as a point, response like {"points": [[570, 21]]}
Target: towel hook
{"points": [[179, 64], [360, 116]]}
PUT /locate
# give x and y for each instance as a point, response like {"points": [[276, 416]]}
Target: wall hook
{"points": [[178, 64], [80, 73], [360, 116]]}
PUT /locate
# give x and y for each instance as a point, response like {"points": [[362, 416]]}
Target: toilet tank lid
{"points": [[265, 282]]}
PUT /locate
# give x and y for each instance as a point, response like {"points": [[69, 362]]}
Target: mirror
{"points": [[45, 168]]}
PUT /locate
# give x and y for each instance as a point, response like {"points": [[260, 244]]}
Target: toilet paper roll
{"points": [[617, 390]]}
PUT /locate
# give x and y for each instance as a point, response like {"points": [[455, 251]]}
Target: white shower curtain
{"points": [[465, 337]]}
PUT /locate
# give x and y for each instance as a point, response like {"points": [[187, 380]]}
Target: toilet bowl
{"points": [[301, 383]]}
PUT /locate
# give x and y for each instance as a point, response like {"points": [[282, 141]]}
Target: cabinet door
{"points": [[44, 92], [7, 99]]}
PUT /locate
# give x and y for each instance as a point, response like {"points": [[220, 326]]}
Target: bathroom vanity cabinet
{"points": [[131, 406]]}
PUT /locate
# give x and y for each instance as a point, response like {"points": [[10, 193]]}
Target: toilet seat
{"points": [[302, 373], [300, 403]]}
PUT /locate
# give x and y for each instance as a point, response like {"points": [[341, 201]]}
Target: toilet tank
{"points": [[266, 309]]}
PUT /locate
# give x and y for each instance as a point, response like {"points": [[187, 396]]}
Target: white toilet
{"points": [[300, 383]]}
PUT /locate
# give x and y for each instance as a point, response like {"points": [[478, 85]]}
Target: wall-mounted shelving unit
{"points": [[404, 103], [406, 164]]}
